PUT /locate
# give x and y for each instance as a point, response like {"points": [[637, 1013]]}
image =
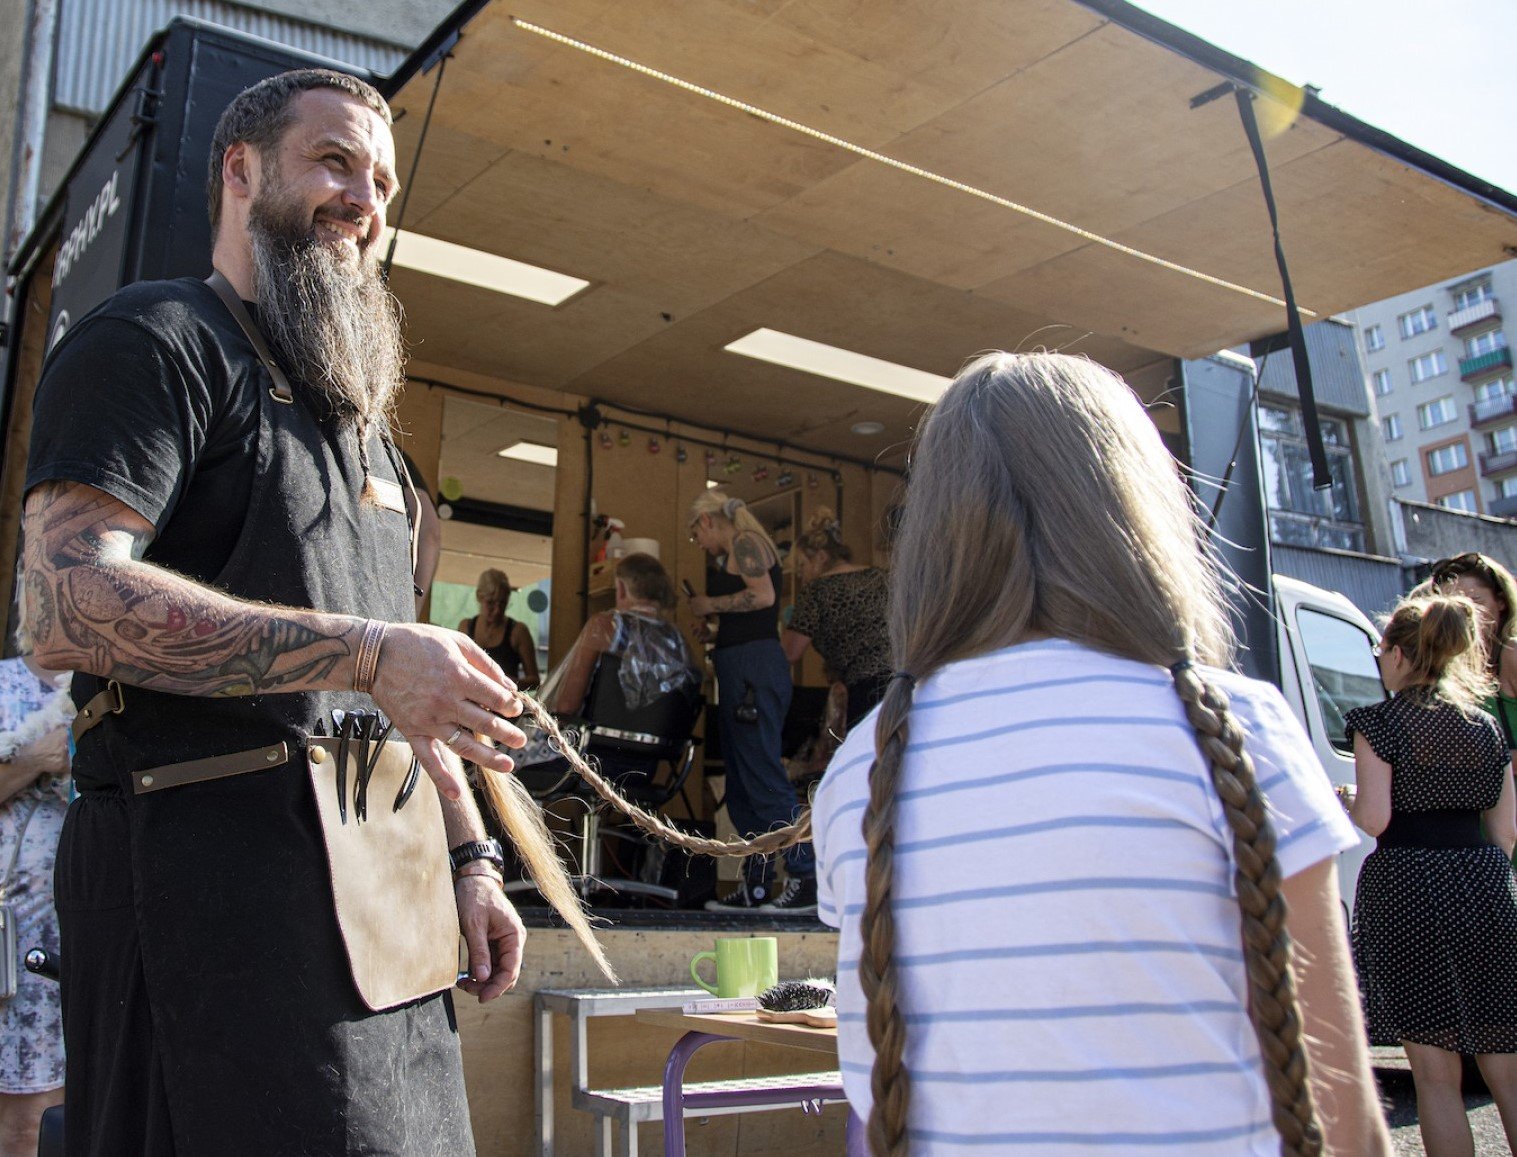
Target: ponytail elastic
{"points": [[731, 507], [907, 676]]}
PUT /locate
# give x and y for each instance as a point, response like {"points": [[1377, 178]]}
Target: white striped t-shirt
{"points": [[1066, 932]]}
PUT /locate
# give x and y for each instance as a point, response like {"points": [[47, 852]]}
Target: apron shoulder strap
{"points": [[281, 391]]}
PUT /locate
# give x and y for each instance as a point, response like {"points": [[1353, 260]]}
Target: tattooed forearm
{"points": [[744, 600], [93, 605]]}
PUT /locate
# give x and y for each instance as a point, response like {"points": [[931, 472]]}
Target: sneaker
{"points": [[798, 895], [747, 897]]}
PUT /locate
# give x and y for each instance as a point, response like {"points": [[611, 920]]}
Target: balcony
{"points": [[1501, 462], [1471, 315], [1502, 507], [1482, 364], [1484, 413]]}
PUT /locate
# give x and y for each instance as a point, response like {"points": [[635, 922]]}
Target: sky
{"points": [[1439, 74]]}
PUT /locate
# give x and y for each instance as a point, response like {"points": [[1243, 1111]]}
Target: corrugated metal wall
{"points": [[1337, 376], [1371, 584], [98, 41]]}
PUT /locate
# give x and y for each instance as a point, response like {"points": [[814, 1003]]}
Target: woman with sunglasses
{"points": [[1490, 586], [1435, 914]]}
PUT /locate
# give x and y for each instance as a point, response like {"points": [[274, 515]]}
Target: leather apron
{"points": [[259, 1043]]}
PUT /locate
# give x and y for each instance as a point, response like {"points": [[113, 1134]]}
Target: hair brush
{"points": [[808, 1001]]}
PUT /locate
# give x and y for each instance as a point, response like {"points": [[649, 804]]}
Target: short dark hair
{"points": [[646, 578], [259, 115]]}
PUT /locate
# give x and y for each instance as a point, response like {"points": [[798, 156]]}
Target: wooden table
{"points": [[701, 1029]]}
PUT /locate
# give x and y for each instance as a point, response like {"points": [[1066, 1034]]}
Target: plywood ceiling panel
{"points": [[697, 222], [673, 257]]}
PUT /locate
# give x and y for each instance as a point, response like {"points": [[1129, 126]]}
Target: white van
{"points": [[1326, 669]]}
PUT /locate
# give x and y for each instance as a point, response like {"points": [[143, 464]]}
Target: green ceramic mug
{"points": [[745, 965]]}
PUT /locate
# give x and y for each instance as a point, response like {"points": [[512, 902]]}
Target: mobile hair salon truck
{"points": [[681, 185]]}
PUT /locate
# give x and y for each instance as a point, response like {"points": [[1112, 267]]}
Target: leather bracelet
{"points": [[366, 664], [490, 872]]}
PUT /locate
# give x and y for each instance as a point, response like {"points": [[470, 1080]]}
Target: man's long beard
{"points": [[331, 319]]}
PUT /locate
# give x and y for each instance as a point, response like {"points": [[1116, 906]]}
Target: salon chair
{"points": [[632, 745]]}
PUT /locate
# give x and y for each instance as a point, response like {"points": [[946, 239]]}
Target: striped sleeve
{"points": [[1310, 824]]}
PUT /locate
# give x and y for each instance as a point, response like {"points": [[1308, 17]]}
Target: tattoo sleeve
{"points": [[92, 604]]}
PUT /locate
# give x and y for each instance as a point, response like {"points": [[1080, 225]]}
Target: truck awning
{"points": [[914, 181]]}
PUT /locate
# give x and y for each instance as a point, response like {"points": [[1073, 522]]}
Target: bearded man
{"points": [[221, 551]]}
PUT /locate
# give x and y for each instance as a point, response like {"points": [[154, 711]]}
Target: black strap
{"points": [[281, 391], [413, 505], [1321, 478]]}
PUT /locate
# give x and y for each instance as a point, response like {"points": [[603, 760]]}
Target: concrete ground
{"points": [[1399, 1098]]}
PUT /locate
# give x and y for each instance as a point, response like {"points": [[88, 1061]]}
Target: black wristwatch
{"points": [[478, 850]]}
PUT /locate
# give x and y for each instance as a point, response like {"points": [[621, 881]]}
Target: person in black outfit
{"points": [[841, 612], [508, 642], [753, 694], [227, 557], [1435, 917]]}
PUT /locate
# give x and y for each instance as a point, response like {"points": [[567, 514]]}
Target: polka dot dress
{"points": [[1435, 929]]}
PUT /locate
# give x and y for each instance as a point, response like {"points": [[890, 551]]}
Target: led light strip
{"points": [[903, 166]]}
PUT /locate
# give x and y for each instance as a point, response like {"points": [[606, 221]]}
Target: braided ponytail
{"points": [[1272, 1005], [890, 1083]]}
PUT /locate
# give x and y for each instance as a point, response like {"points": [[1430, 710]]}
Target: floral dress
{"points": [[31, 1026]]}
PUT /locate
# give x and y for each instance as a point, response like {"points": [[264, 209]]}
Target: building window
{"points": [[1504, 439], [1428, 365], [1472, 295], [1382, 382], [1447, 458], [1374, 339], [1390, 427], [1507, 487], [1436, 412], [1298, 514], [1418, 321], [1401, 474], [1459, 500], [1484, 343], [1495, 389]]}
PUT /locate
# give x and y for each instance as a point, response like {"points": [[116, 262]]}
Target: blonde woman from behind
{"points": [[1059, 862]]}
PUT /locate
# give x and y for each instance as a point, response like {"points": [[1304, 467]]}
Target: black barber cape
{"points": [[208, 1007]]}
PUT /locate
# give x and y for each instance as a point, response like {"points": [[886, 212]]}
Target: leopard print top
{"points": [[844, 617]]}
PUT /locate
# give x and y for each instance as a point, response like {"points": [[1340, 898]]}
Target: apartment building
{"points": [[1440, 372]]}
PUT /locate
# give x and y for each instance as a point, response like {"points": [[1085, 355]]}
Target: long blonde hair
{"points": [[734, 510], [1041, 500], [1440, 636]]}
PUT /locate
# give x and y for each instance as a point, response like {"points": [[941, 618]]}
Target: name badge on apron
{"points": [[384, 494]]}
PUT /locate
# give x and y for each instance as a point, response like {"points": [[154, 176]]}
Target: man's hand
{"points": [[494, 935], [45, 756], [431, 682]]}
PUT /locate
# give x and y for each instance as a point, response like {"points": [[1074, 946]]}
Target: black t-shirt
{"points": [[172, 434]]}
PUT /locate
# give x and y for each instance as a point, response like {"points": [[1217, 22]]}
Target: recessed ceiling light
{"points": [[868, 429], [530, 452], [486, 270], [814, 357]]}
